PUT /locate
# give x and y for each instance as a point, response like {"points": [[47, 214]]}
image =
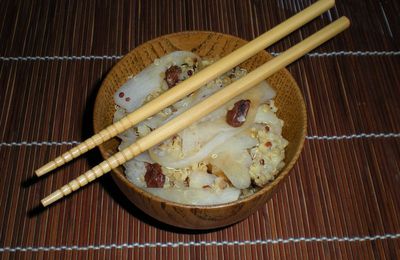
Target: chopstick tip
{"points": [[52, 198], [343, 21], [39, 172], [48, 167], [347, 20]]}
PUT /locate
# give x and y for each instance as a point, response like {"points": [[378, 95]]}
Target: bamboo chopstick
{"points": [[205, 107], [193, 83]]}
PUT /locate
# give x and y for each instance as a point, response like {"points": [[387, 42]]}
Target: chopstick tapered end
{"points": [[39, 172], [52, 198], [48, 167], [345, 20]]}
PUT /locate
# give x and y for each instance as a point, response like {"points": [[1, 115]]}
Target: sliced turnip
{"points": [[239, 142], [194, 137], [194, 196], [235, 165], [132, 94], [135, 171], [170, 160], [198, 179], [268, 92], [144, 157]]}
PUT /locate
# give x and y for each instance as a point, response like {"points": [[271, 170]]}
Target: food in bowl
{"points": [[227, 155]]}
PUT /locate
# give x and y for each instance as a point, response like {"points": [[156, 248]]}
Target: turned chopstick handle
{"points": [[193, 83], [88, 144], [94, 173], [203, 108]]}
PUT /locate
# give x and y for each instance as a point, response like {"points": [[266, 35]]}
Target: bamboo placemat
{"points": [[341, 201]]}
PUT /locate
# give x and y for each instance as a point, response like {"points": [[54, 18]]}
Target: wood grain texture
{"points": [[339, 188]]}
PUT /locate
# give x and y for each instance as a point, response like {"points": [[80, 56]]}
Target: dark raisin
{"points": [[237, 115], [121, 94], [154, 177], [172, 75], [268, 144]]}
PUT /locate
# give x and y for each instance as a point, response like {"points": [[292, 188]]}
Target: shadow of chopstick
{"points": [[35, 211], [31, 180]]}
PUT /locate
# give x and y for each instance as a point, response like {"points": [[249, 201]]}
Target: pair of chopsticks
{"points": [[205, 107]]}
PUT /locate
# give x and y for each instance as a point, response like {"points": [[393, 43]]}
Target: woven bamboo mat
{"points": [[342, 199]]}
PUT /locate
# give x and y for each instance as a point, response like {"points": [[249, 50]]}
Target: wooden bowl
{"points": [[289, 102]]}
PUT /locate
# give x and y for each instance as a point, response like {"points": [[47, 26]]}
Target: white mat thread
{"points": [[35, 143], [58, 58], [117, 57], [353, 136], [314, 137], [200, 243]]}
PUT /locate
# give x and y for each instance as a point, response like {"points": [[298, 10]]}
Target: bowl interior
{"points": [[291, 107]]}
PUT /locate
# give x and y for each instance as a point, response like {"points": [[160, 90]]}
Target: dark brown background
{"points": [[342, 199]]}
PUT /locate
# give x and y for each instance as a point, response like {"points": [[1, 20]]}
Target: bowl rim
{"points": [[264, 190]]}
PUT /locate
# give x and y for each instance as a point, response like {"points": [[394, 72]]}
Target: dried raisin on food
{"points": [[237, 115], [172, 75], [154, 177]]}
